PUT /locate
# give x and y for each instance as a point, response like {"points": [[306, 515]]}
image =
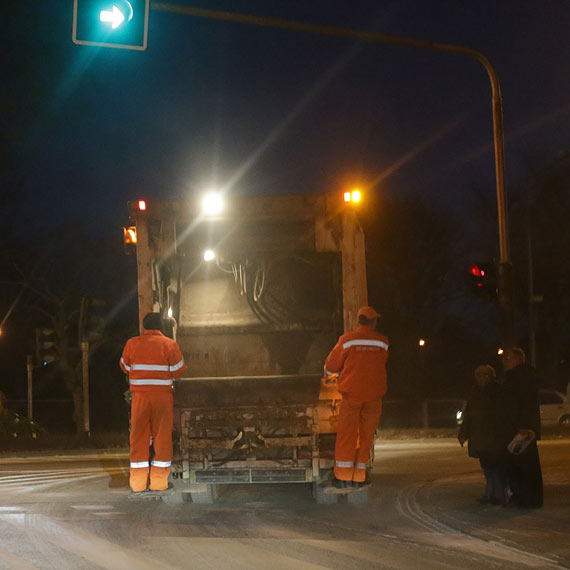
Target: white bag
{"points": [[521, 441]]}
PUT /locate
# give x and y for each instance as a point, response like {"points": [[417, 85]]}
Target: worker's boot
{"points": [[338, 486], [162, 493], [139, 494], [341, 484], [363, 484]]}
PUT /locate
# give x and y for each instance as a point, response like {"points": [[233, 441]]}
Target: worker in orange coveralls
{"points": [[359, 361], [151, 361]]}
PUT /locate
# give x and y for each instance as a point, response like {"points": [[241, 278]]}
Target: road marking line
{"points": [[65, 458], [109, 515], [449, 537], [19, 472], [17, 480], [31, 486], [92, 507]]}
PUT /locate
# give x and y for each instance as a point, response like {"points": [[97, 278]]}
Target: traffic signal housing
{"points": [[119, 24], [91, 319], [483, 278], [46, 346]]}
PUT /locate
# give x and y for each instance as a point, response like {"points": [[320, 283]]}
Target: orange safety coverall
{"points": [[360, 357], [151, 360]]}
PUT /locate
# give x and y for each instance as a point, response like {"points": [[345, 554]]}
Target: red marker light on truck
{"points": [[142, 205]]}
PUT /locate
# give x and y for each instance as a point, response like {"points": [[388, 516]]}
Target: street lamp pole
{"points": [[505, 266]]}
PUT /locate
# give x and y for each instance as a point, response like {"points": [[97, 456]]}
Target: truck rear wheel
{"points": [[322, 498]]}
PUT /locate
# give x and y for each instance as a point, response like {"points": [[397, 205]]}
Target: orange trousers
{"points": [[151, 416], [357, 425]]}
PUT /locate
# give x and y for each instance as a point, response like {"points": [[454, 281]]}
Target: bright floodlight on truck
{"points": [[212, 204], [209, 255]]}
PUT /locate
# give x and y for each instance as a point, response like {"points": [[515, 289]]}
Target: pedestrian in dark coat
{"points": [[522, 417], [482, 427]]}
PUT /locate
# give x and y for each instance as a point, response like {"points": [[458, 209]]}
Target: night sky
{"points": [[253, 110]]}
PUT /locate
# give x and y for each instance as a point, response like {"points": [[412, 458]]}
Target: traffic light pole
{"points": [[85, 382], [30, 371], [505, 266]]}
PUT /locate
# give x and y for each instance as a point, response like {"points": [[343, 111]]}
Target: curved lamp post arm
{"points": [[505, 272]]}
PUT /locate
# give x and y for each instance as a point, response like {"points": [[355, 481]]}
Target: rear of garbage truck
{"points": [[256, 291]]}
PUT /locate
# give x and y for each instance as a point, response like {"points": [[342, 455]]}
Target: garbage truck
{"points": [[256, 291]]}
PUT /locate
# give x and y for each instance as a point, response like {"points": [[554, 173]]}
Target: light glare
{"points": [[347, 196], [209, 255], [169, 312], [142, 205], [355, 196], [212, 204]]}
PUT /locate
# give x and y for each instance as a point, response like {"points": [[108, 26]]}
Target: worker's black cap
{"points": [[152, 321]]}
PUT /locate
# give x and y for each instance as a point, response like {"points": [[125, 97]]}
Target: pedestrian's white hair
{"points": [[486, 369]]}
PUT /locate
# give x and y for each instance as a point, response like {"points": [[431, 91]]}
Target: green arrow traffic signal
{"points": [[111, 23], [115, 18]]}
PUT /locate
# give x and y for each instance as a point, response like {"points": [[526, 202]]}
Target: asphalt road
{"points": [[73, 513]]}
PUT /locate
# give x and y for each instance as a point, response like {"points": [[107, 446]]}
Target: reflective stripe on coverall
{"points": [[360, 359], [151, 360]]}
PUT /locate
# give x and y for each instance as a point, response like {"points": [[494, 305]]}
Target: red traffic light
{"points": [[483, 279], [475, 270]]}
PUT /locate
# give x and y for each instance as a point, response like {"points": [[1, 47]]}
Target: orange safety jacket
{"points": [[152, 360], [360, 359]]}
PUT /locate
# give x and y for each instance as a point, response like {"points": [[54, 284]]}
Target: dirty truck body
{"points": [[254, 325]]}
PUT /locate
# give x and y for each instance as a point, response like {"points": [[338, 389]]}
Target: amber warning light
{"points": [[353, 196], [130, 234]]}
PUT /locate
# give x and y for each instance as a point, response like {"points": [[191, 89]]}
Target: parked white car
{"points": [[554, 408]]}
